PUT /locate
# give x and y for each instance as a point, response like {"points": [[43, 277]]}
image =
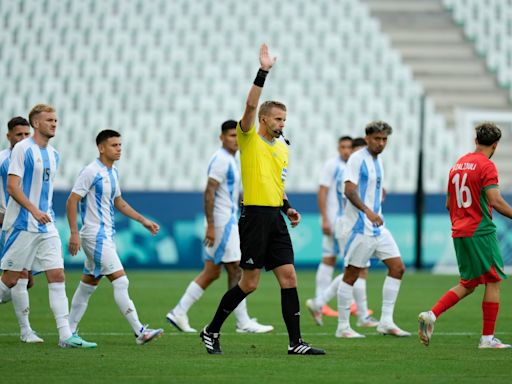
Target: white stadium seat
{"points": [[166, 74]]}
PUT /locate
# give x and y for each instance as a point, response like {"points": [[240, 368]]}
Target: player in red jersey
{"points": [[472, 193]]}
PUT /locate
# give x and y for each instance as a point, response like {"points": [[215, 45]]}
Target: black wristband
{"points": [[285, 207], [260, 78]]}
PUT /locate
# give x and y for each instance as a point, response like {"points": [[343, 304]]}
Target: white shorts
{"points": [[33, 251], [101, 257], [359, 248], [330, 246], [226, 248], [341, 246]]}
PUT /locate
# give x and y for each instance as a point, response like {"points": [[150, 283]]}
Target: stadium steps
{"points": [[502, 160], [441, 59]]}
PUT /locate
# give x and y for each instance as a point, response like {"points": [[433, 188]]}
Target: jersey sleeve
{"points": [[326, 174], [3, 187], [117, 192], [244, 138], [17, 163], [84, 183], [489, 176], [352, 170], [3, 204], [57, 158], [218, 169]]}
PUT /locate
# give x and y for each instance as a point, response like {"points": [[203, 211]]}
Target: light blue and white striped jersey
{"points": [[331, 177], [224, 168], [37, 167], [98, 186], [4, 169], [367, 173]]}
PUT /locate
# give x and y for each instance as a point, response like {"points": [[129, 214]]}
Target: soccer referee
{"points": [[264, 239]]}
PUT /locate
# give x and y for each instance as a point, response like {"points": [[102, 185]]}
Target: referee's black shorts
{"points": [[264, 238]]}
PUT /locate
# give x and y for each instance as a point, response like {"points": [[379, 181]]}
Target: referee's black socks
{"points": [[228, 304], [291, 313]]}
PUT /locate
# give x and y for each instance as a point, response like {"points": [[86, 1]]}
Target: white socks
{"points": [[192, 294], [329, 293], [20, 303], [5, 293], [59, 306], [345, 293], [360, 298], [126, 306], [79, 304], [389, 294], [323, 277], [242, 317]]}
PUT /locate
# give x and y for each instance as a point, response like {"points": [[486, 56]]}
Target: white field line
{"points": [[175, 333]]}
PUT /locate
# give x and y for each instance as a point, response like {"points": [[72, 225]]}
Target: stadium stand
{"points": [[489, 24], [166, 74]]}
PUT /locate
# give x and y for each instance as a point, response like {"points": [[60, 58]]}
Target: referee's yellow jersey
{"points": [[264, 167]]}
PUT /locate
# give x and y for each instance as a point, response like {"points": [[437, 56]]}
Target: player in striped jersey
{"points": [[18, 129], [364, 234], [222, 241], [360, 306], [330, 204], [97, 191], [472, 194], [30, 239]]}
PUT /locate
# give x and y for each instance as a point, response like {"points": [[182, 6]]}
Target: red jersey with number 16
{"points": [[470, 212]]}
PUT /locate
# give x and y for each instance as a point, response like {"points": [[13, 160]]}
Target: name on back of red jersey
{"points": [[464, 167]]}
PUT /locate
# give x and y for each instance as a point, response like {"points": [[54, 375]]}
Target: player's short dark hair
{"points": [[18, 120], [359, 142], [227, 125], [487, 133], [344, 138], [378, 127], [105, 135]]}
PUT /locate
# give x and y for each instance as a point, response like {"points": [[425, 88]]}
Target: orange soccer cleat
{"points": [[353, 310], [328, 311]]}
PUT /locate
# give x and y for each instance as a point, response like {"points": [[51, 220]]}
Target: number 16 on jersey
{"points": [[462, 191]]}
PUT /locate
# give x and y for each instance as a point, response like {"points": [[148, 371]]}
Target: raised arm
{"points": [[209, 200], [498, 202], [251, 105], [128, 211], [353, 196]]}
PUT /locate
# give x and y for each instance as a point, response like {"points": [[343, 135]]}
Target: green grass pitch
{"points": [[452, 357]]}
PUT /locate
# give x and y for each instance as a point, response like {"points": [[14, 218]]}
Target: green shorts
{"points": [[477, 255]]}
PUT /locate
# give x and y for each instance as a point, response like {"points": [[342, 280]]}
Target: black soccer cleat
{"points": [[211, 341], [303, 348]]}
